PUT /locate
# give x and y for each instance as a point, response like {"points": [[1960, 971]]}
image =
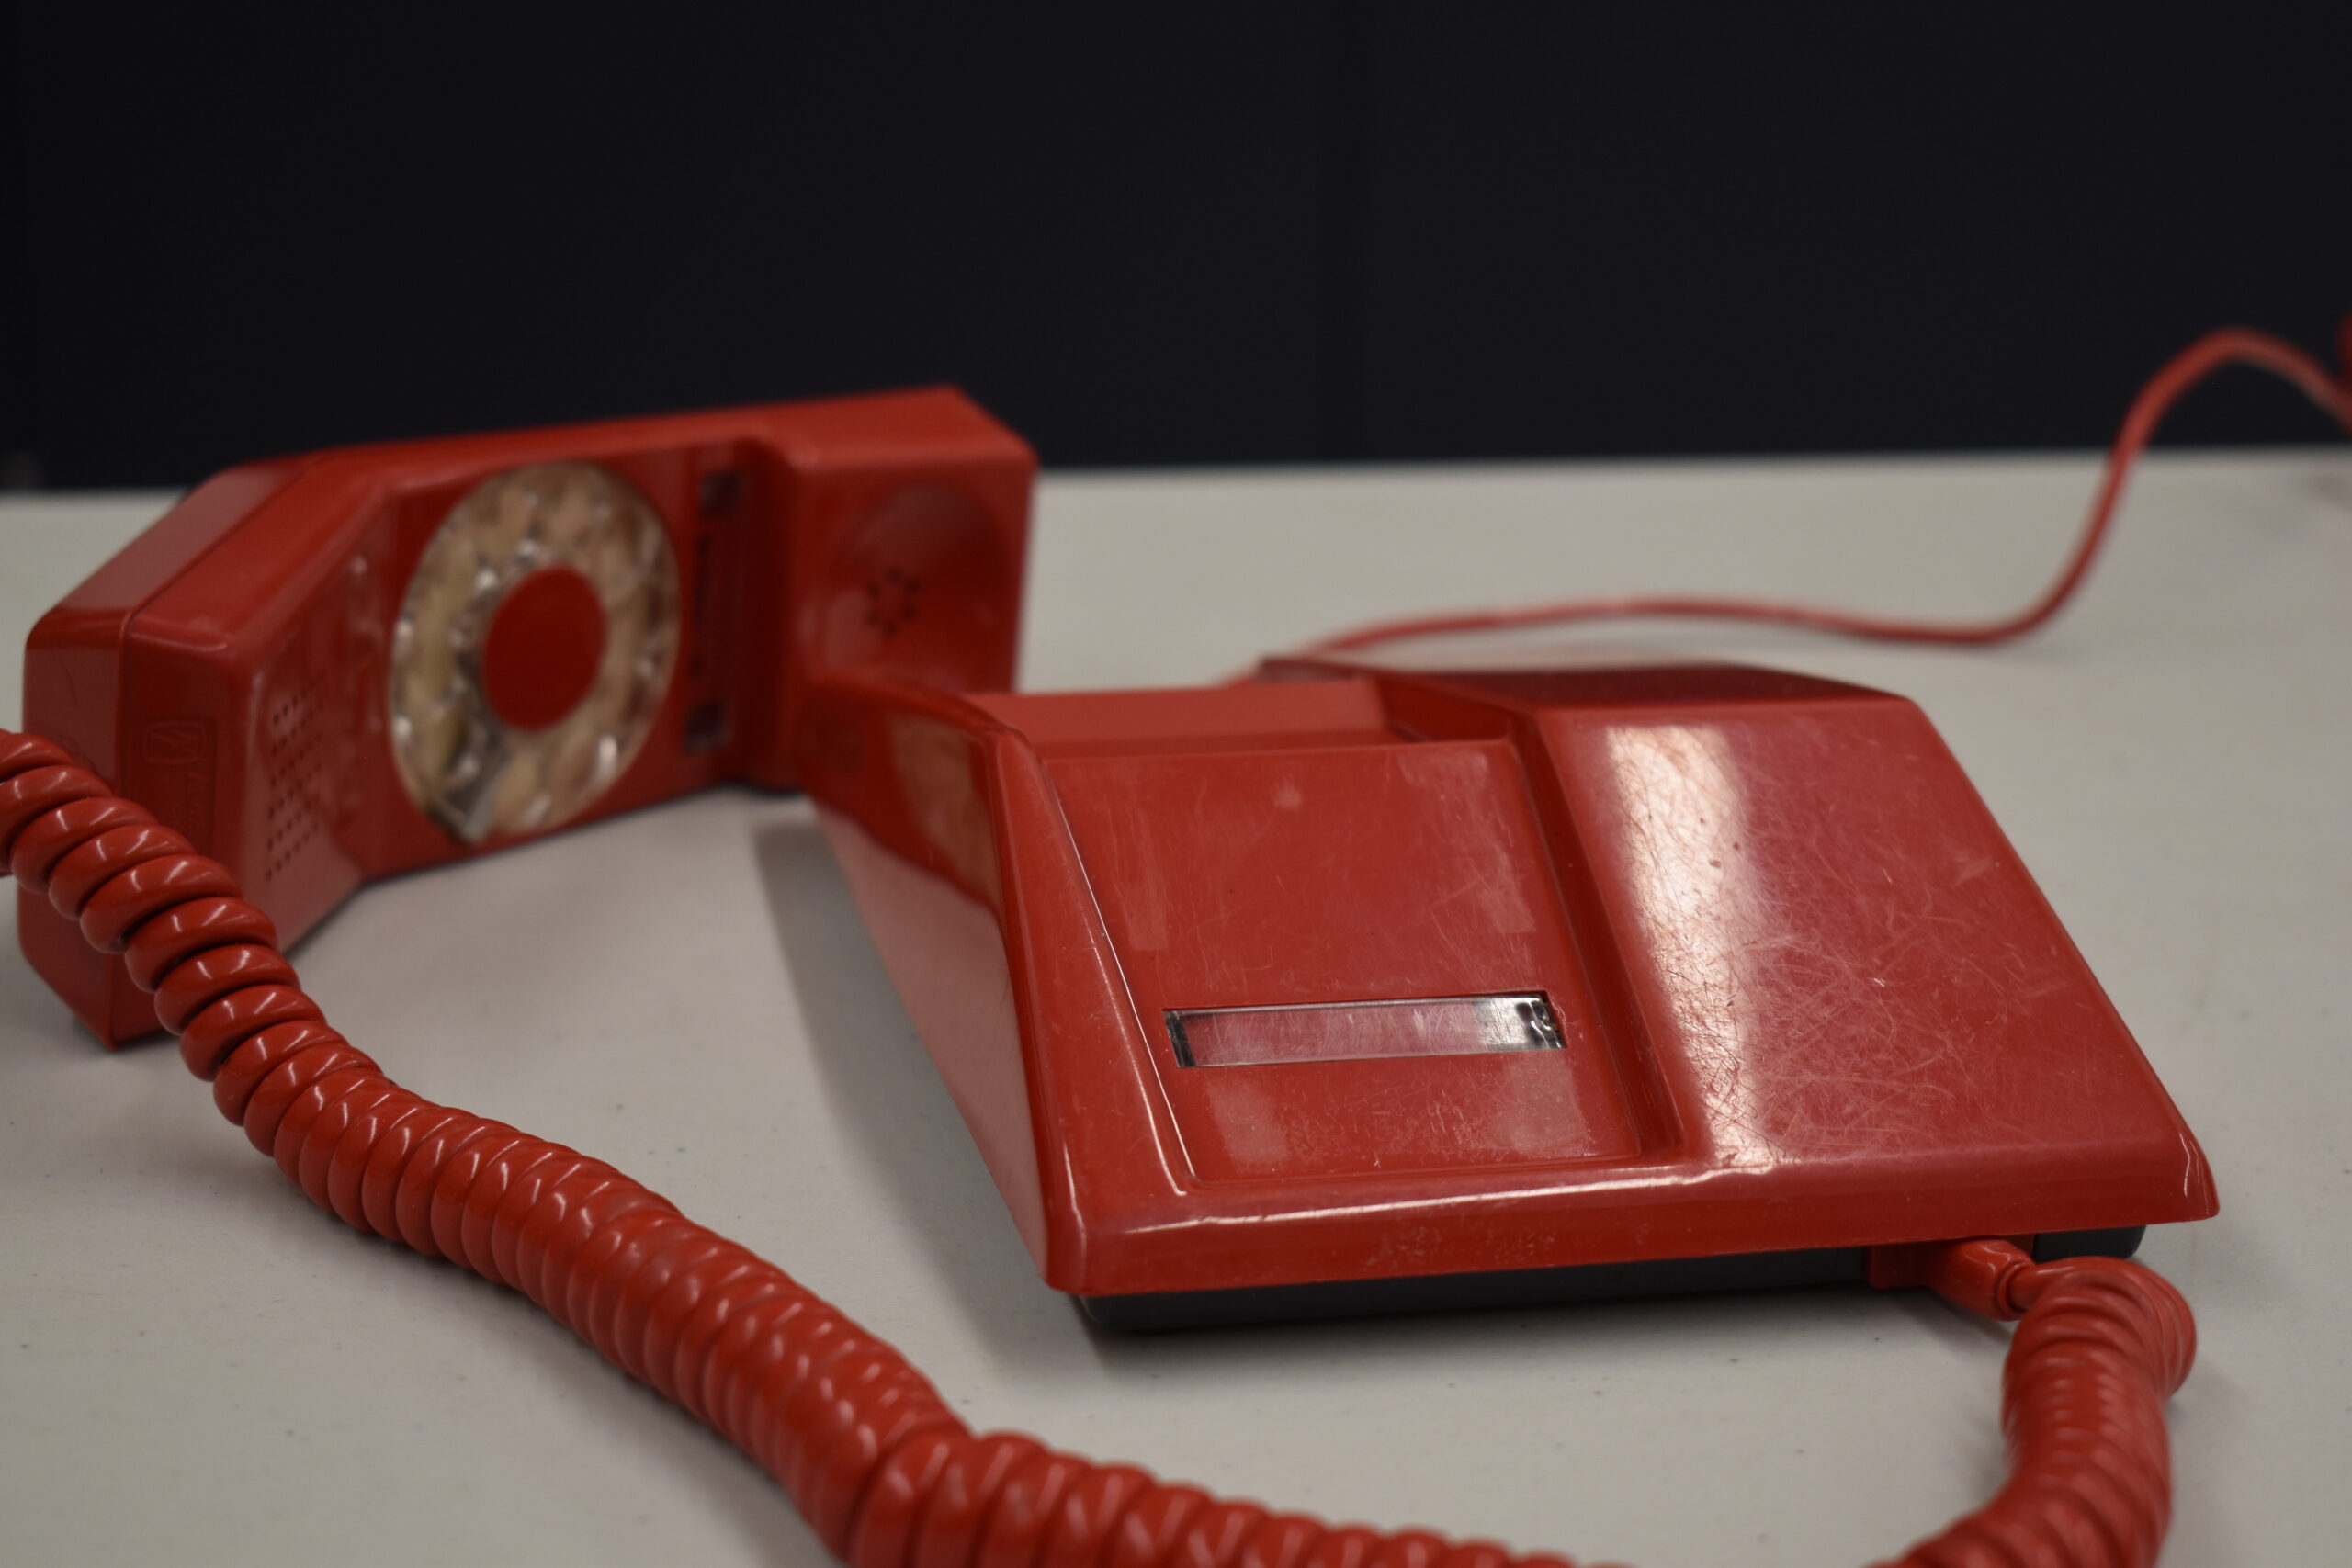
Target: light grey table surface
{"points": [[196, 1367]]}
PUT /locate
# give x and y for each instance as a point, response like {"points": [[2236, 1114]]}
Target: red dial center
{"points": [[545, 643]]}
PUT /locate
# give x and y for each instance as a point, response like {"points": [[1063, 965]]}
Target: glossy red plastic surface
{"points": [[228, 669], [1806, 993]]}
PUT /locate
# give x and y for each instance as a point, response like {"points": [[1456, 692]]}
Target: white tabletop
{"points": [[195, 1366]]}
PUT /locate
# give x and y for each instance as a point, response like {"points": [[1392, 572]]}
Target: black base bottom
{"points": [[1532, 1287]]}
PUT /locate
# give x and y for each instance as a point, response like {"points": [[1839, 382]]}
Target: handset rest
{"points": [[1350, 986]]}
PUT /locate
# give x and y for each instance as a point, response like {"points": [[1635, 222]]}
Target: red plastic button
{"points": [[544, 648]]}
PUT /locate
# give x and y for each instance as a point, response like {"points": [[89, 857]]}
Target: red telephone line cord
{"points": [[2215, 351], [874, 1460]]}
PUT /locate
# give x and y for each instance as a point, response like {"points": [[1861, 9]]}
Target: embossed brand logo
{"points": [[176, 742]]}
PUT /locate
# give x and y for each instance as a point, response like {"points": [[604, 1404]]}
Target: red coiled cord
{"points": [[869, 1452], [2215, 351]]}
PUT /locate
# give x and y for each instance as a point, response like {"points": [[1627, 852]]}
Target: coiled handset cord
{"points": [[870, 1454]]}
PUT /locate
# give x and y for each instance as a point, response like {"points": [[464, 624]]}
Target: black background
{"points": [[1153, 234]]}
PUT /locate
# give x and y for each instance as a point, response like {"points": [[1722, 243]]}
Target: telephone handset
{"points": [[328, 669], [1347, 986]]}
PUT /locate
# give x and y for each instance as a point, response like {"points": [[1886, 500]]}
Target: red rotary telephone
{"points": [[1345, 987]]}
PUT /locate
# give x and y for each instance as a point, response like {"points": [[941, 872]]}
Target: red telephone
{"points": [[1346, 987]]}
